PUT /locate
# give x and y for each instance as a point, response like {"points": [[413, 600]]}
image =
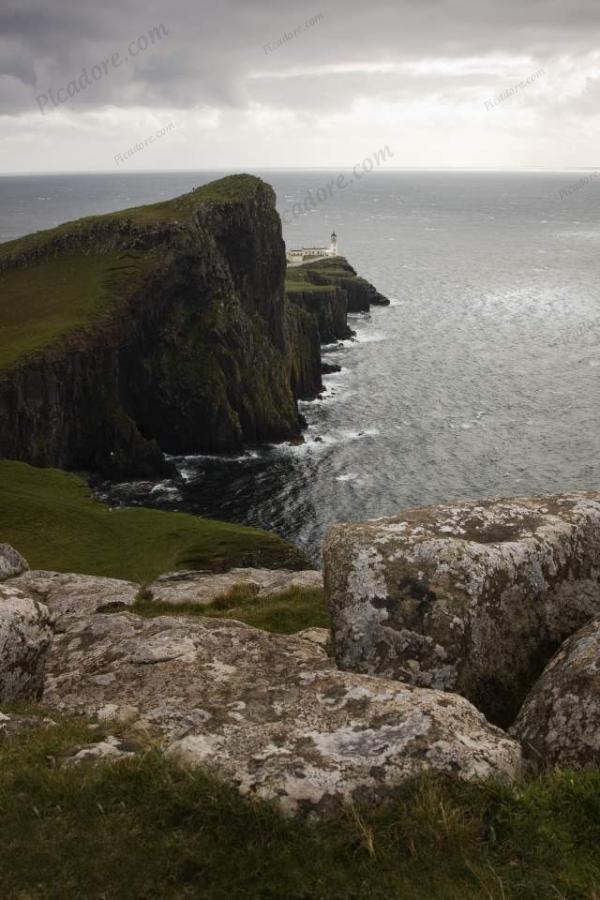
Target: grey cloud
{"points": [[212, 48]]}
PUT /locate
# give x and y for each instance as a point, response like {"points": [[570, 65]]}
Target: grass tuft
{"points": [[148, 828], [284, 613]]}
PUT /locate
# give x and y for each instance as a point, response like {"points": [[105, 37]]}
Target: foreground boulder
{"points": [[268, 712], [559, 723], [11, 562], [473, 597], [70, 596], [25, 633], [203, 588]]}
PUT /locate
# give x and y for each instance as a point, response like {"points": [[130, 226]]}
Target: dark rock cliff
{"points": [[329, 289], [182, 338], [196, 349]]}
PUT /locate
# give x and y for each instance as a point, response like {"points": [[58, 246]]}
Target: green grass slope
{"points": [[59, 292], [297, 280], [53, 297], [146, 829], [53, 520]]}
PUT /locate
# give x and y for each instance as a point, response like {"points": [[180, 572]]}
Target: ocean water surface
{"points": [[482, 377]]}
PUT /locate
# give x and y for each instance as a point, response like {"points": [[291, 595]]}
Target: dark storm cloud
{"points": [[213, 48]]}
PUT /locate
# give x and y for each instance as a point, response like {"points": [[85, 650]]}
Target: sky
{"points": [[249, 84]]}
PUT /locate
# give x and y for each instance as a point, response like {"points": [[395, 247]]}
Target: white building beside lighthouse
{"points": [[309, 254]]}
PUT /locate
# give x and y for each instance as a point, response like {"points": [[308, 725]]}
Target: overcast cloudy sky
{"points": [[444, 83]]}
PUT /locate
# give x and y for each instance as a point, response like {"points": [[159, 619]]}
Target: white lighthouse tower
{"points": [[333, 247]]}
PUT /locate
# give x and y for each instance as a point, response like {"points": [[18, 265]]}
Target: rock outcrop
{"points": [[268, 712], [25, 633], [203, 588], [473, 597], [11, 562], [559, 722], [70, 596]]}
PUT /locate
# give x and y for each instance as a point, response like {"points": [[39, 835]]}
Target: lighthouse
{"points": [[333, 248]]}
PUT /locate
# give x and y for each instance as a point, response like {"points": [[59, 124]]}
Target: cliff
{"points": [[329, 289], [163, 328]]}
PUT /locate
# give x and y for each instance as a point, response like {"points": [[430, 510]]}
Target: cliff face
{"points": [[329, 307], [192, 347], [329, 289]]}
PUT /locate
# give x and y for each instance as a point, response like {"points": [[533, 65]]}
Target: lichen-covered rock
{"points": [[559, 723], [320, 637], [204, 588], [70, 595], [268, 712], [11, 562], [25, 633], [473, 597], [109, 749]]}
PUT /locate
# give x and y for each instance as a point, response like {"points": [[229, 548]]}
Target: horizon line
{"points": [[248, 169]]}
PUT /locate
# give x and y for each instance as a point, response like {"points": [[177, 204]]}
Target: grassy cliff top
{"points": [[56, 296], [52, 519], [233, 188], [51, 295], [319, 276]]}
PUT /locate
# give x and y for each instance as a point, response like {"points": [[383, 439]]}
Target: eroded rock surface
{"points": [[204, 588], [11, 562], [70, 596], [559, 723], [25, 633], [109, 749], [320, 637], [268, 712], [473, 597]]}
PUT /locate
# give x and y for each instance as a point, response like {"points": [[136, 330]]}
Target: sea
{"points": [[482, 377]]}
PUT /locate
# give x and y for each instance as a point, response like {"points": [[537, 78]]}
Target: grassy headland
{"points": [[54, 297], [53, 520], [233, 188], [315, 277], [57, 292]]}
